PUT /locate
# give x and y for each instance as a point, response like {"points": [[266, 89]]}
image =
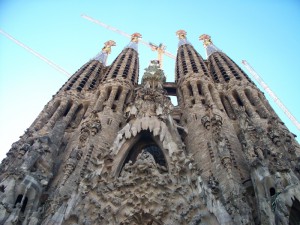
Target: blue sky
{"points": [[265, 33]]}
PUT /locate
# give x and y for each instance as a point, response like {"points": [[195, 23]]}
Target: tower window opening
{"points": [[114, 107], [199, 86], [189, 86], [177, 70], [233, 71], [237, 98], [76, 115], [19, 201], [133, 75], [119, 91], [214, 74], [204, 69], [250, 97], [108, 93], [222, 69], [240, 70], [194, 66], [69, 106], [227, 106], [183, 63]]}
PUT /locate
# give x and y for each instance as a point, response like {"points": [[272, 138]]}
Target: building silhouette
{"points": [[107, 150]]}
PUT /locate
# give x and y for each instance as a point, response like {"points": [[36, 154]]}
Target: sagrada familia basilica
{"points": [[109, 150]]}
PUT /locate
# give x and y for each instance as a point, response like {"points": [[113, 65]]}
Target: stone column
{"points": [[70, 114], [79, 116], [112, 96], [186, 96], [261, 106], [245, 101], [195, 92], [232, 102], [46, 115], [215, 97], [100, 100], [122, 99], [206, 93], [58, 113]]}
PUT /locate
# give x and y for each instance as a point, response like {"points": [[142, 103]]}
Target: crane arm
{"points": [[148, 44], [113, 29], [105, 25], [271, 93], [170, 55], [52, 64]]}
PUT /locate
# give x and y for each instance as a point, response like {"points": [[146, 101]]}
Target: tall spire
{"points": [[134, 41], [208, 45], [182, 37], [102, 56]]}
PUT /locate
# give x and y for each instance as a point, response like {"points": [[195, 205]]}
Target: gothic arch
{"points": [[136, 129]]}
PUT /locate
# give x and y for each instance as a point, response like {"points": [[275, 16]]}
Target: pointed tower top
{"points": [[102, 56], [208, 45], [134, 41], [182, 37]]}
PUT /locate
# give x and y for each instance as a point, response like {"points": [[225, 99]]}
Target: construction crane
{"points": [[161, 49], [271, 93], [52, 64]]}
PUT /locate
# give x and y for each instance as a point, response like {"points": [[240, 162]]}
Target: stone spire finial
{"points": [[134, 41], [208, 45], [182, 37], [102, 56]]}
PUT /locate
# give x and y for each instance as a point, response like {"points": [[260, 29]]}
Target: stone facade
{"points": [[107, 150]]}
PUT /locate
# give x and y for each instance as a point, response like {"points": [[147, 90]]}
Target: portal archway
{"points": [[145, 143]]}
